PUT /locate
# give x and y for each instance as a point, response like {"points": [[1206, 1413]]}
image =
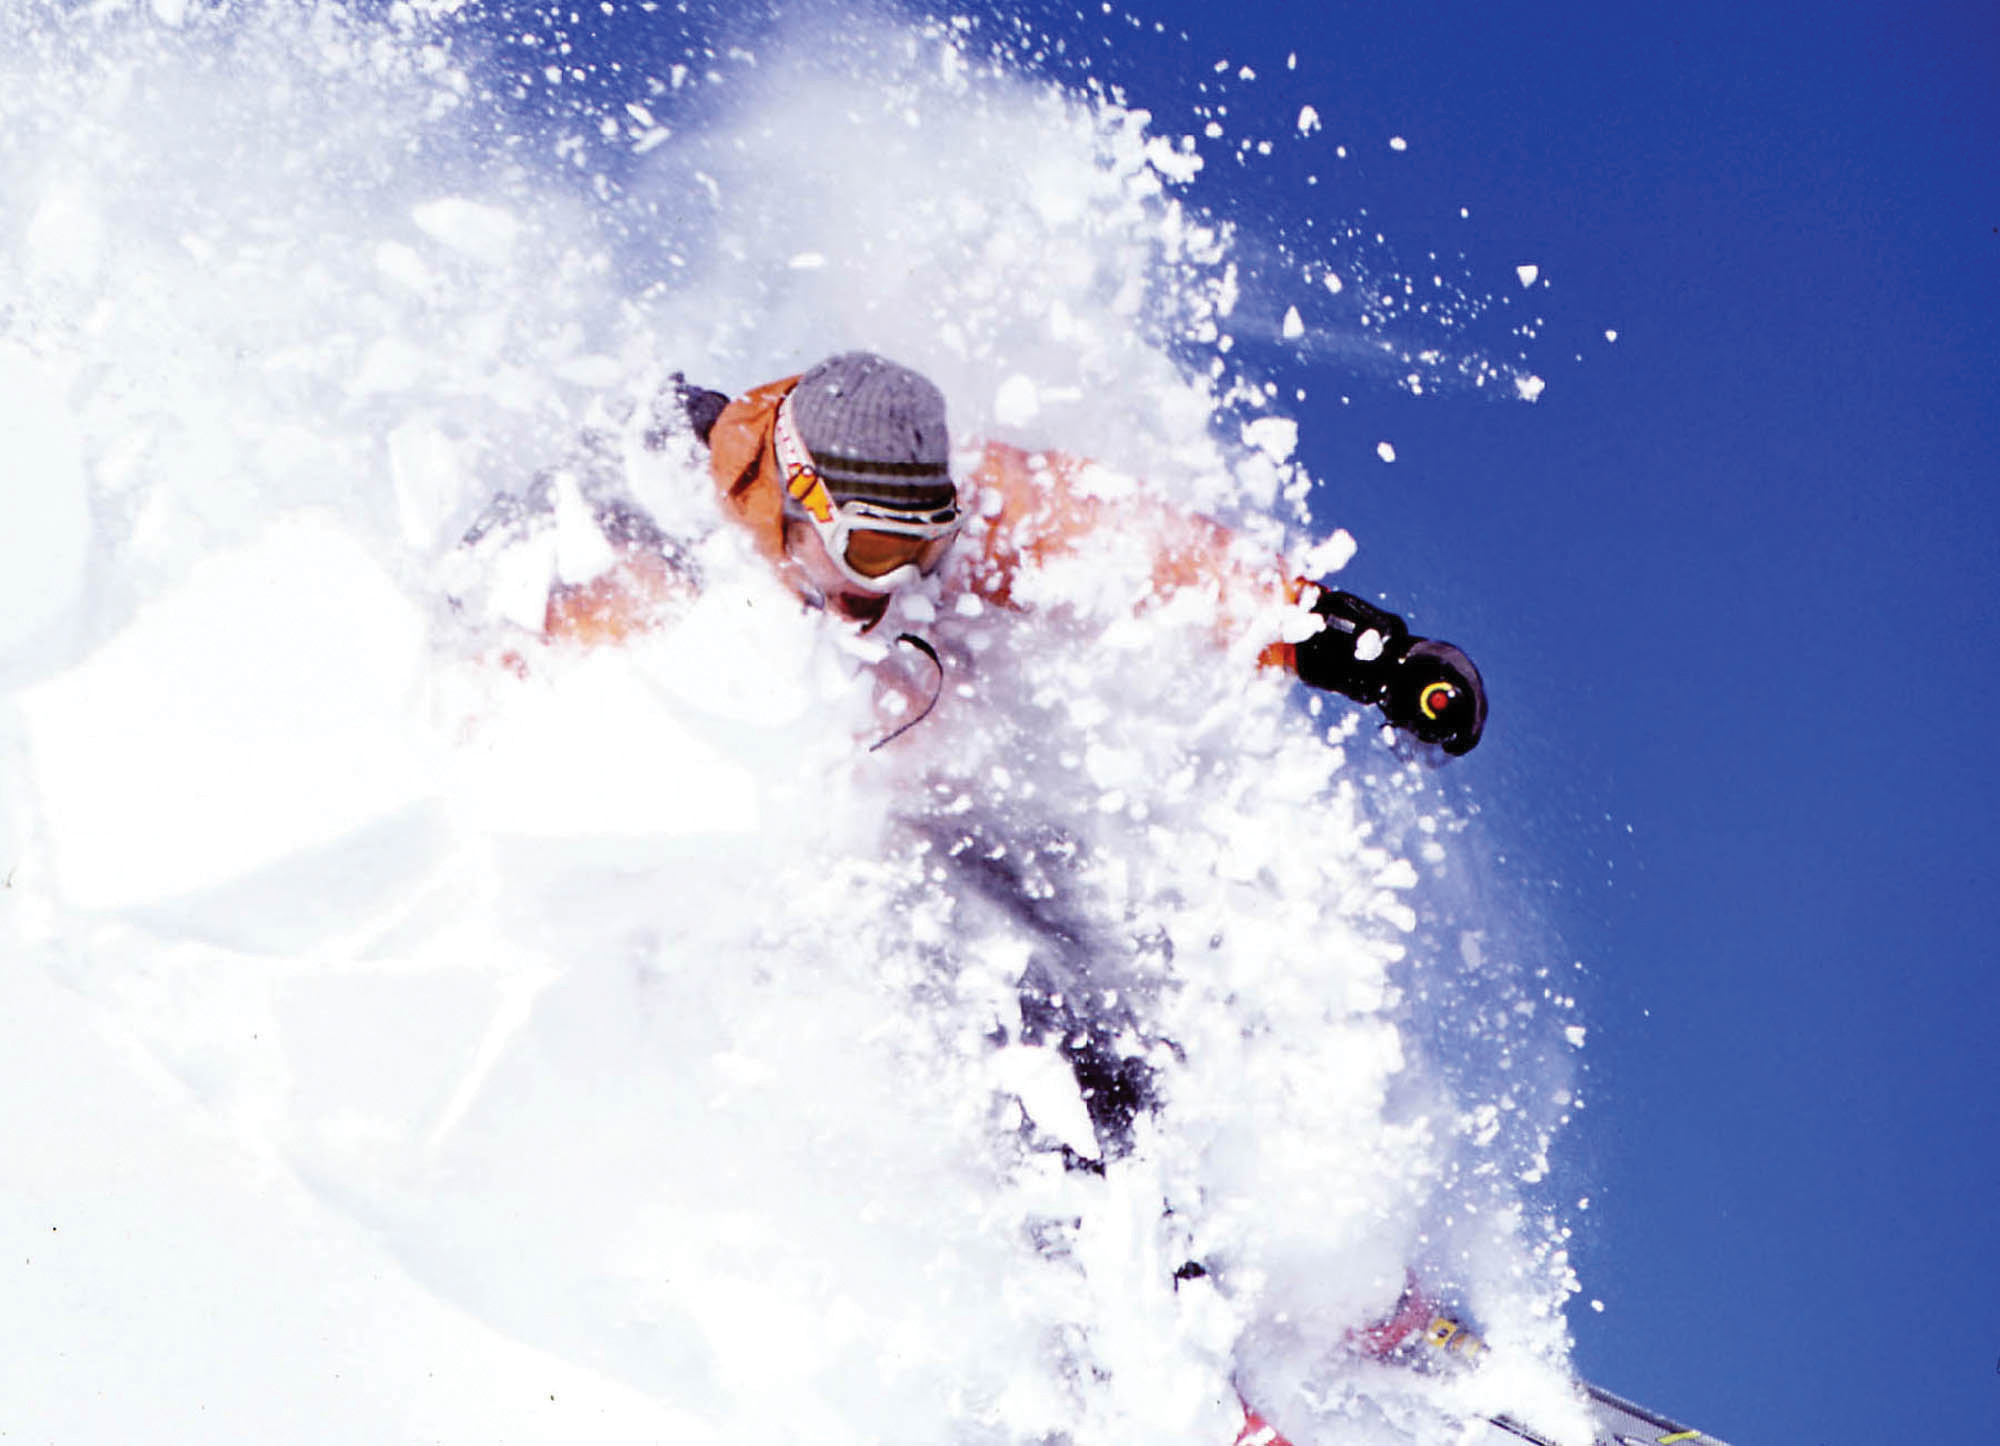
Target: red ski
{"points": [[1418, 1326]]}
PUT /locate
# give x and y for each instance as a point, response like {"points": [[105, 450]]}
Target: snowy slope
{"points": [[420, 1033]]}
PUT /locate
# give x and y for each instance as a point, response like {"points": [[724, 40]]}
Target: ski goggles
{"points": [[877, 548]]}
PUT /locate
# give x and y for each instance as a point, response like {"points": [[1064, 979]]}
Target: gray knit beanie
{"points": [[876, 431]]}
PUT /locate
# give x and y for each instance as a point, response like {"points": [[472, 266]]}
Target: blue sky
{"points": [[1730, 582]]}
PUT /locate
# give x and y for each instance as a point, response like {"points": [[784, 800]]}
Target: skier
{"points": [[841, 476]]}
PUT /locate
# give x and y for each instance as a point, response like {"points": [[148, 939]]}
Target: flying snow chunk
{"points": [[582, 550], [1178, 164], [1332, 283], [652, 133], [1294, 327], [597, 372], [65, 237], [1397, 143], [429, 480], [807, 261], [1611, 336], [479, 232], [1276, 437], [1529, 388], [1046, 1087], [1386, 452], [1330, 554], [402, 265], [1397, 874], [1308, 120], [1017, 402], [599, 754], [261, 709], [44, 547], [1527, 274]]}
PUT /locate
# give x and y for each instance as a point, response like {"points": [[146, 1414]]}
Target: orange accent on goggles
{"points": [[808, 490]]}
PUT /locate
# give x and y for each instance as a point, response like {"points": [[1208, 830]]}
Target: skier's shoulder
{"points": [[683, 406], [751, 412], [1011, 485], [740, 433], [681, 403]]}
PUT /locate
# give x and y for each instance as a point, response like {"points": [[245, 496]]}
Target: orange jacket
{"points": [[1039, 509], [745, 464]]}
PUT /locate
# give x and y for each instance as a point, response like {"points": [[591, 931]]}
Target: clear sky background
{"points": [[1731, 582]]}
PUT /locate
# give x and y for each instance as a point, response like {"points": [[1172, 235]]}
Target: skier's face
{"points": [[816, 574]]}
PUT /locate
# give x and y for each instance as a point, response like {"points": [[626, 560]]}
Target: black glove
{"points": [[1356, 652], [697, 406], [1426, 688], [1436, 693]]}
